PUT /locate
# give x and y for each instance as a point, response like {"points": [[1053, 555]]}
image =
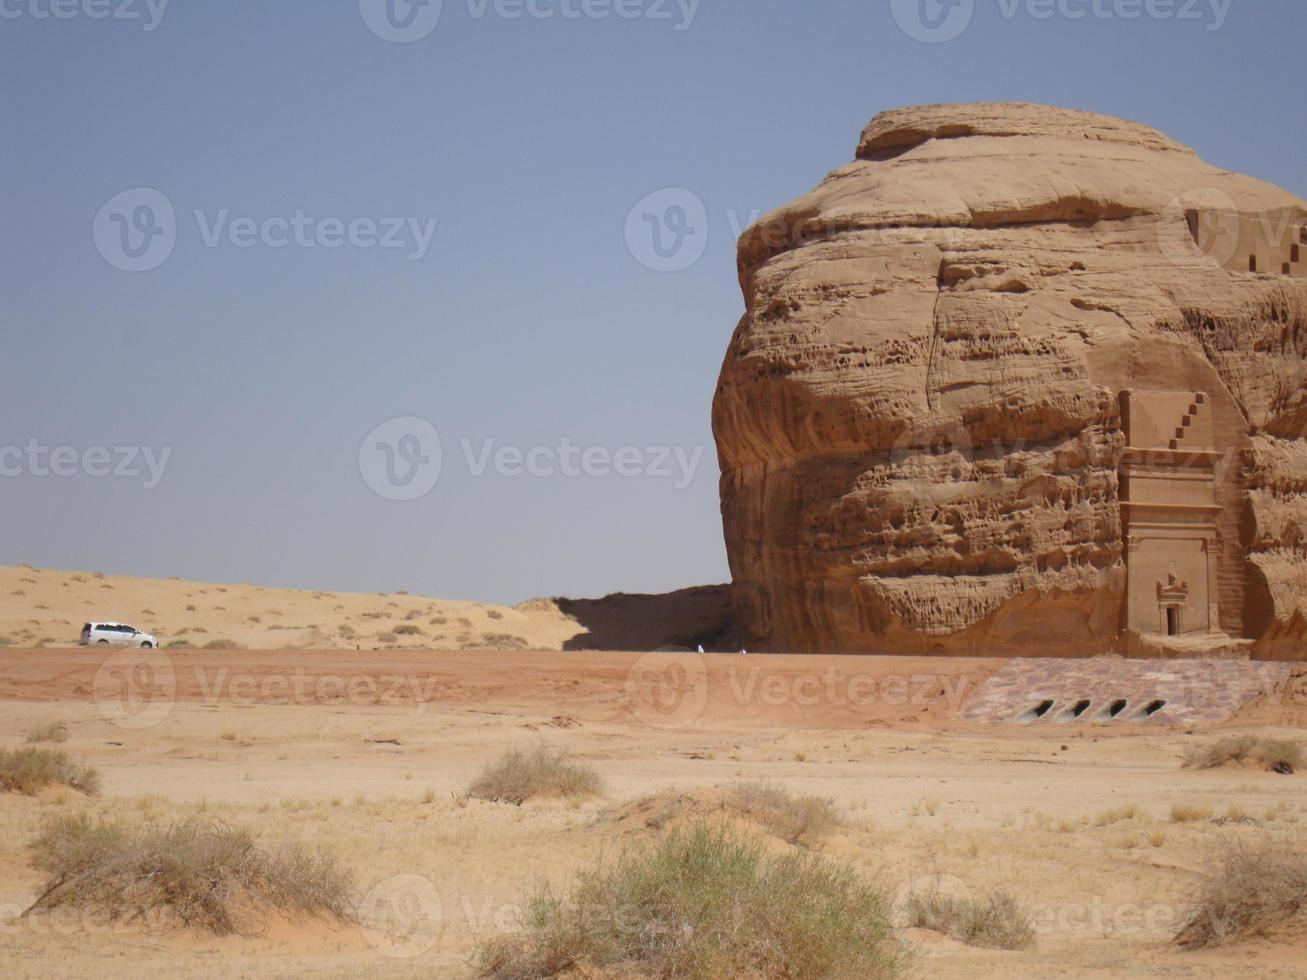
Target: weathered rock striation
{"points": [[919, 418]]}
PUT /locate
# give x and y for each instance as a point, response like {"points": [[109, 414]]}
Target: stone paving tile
{"points": [[1194, 692]]}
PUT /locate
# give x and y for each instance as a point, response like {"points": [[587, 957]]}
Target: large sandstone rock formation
{"points": [[919, 416]]}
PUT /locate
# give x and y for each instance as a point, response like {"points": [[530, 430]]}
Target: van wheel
{"points": [[147, 645], [105, 642]]}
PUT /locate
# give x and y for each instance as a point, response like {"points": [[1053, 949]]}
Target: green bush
{"points": [[705, 903]]}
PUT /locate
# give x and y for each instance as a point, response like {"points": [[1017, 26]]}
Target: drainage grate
{"points": [[1035, 712], [1114, 709], [1148, 710], [1111, 710], [1072, 712], [1175, 692]]}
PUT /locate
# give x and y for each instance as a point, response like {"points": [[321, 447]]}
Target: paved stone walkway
{"points": [[1112, 690]]}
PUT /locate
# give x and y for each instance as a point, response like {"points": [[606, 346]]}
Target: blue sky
{"points": [[520, 144]]}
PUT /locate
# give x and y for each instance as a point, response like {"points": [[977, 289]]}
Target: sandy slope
{"points": [[45, 607]]}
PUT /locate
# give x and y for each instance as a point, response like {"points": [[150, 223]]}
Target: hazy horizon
{"points": [[258, 254]]}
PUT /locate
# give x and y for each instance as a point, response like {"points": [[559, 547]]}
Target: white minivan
{"points": [[119, 634]]}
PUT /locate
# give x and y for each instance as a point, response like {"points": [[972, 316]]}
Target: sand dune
{"points": [[42, 607]]}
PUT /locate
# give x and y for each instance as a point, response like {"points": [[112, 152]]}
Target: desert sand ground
{"points": [[369, 756], [366, 748]]}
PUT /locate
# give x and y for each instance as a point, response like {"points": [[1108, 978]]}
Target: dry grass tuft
{"points": [[1189, 812], [796, 819], [220, 644], [995, 922], [1251, 891], [1117, 815], [30, 770], [518, 776], [200, 875], [1265, 753], [704, 903], [56, 732]]}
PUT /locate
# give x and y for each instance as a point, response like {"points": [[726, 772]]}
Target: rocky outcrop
{"points": [[918, 419]]}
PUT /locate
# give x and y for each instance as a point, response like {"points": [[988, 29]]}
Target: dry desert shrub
{"points": [[996, 921], [796, 819], [1189, 812], [518, 776], [219, 644], [704, 903], [5, 641], [1253, 889], [408, 629], [1265, 753], [56, 731], [502, 641], [201, 875], [30, 770]]}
